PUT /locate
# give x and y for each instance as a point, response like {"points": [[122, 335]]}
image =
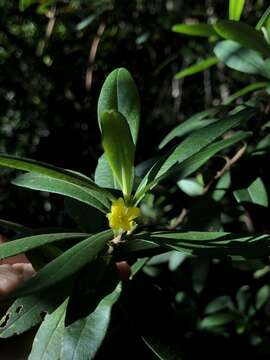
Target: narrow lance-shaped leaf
{"points": [[193, 123], [83, 338], [263, 19], [197, 67], [119, 148], [24, 244], [52, 185], [203, 137], [47, 342], [188, 166], [66, 264], [10, 225], [41, 168], [246, 90], [214, 244], [119, 93], [195, 29], [244, 34], [255, 193], [235, 9]]}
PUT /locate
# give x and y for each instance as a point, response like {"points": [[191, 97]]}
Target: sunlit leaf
{"points": [[119, 93]]}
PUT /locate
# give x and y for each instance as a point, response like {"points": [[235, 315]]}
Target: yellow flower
{"points": [[121, 216]]}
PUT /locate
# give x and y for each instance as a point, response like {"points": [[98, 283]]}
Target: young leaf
{"points": [[235, 9], [195, 29], [104, 176], [243, 34], [83, 338], [197, 67], [24, 244], [119, 148], [45, 183], [47, 342], [245, 90], [263, 19], [255, 193], [119, 93], [66, 264], [241, 59]]}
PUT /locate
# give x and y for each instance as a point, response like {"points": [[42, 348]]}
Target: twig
{"points": [[180, 218], [92, 56], [227, 166]]}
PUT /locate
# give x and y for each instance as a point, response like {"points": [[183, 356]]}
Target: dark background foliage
{"points": [[51, 76]]}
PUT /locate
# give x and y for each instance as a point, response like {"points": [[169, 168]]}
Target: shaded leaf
{"points": [[66, 264], [27, 243], [255, 193], [243, 34], [47, 342], [45, 183], [245, 90], [41, 168], [83, 338], [27, 312], [193, 123], [241, 59]]}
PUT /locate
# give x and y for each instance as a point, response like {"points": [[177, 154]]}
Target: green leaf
{"points": [[25, 244], [47, 342], [195, 29], [119, 93], [203, 137], [81, 213], [219, 319], [197, 67], [24, 4], [164, 349], [193, 163], [83, 338], [51, 171], [262, 296], [119, 148], [191, 124], [245, 90], [222, 186], [212, 244], [241, 59], [66, 264], [235, 9], [255, 193], [243, 34], [45, 183], [188, 166], [104, 176], [191, 187], [26, 312], [10, 225], [263, 19]]}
